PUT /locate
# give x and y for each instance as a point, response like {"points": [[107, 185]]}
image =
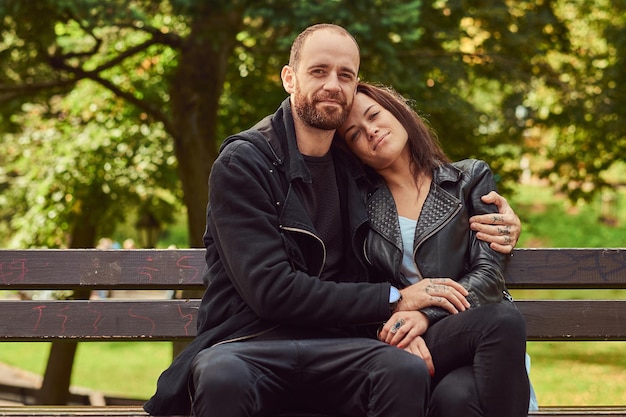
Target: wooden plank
{"points": [[70, 411], [98, 320], [176, 319], [116, 411], [55, 269], [103, 411], [567, 268], [574, 319], [177, 269]]}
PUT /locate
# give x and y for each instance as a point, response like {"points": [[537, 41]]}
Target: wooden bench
{"points": [[171, 319]]}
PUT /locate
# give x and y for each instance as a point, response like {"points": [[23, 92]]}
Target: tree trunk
{"points": [[55, 388], [196, 90]]}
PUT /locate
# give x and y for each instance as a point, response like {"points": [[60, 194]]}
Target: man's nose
{"points": [[332, 82]]}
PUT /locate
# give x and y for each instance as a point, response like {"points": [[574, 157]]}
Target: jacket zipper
{"points": [[313, 235]]}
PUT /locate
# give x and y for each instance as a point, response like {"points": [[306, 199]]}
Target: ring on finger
{"points": [[397, 326]]}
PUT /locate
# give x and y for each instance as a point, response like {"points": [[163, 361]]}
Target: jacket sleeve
{"points": [[485, 277], [245, 224]]}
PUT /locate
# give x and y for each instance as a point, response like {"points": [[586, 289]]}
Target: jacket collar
{"points": [[275, 136], [446, 172], [280, 134], [438, 208]]}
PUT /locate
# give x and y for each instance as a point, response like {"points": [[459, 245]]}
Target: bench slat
{"points": [[54, 269], [98, 320], [178, 269], [112, 411], [176, 319], [574, 319], [567, 268]]}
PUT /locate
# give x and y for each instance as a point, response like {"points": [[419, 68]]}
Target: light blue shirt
{"points": [[409, 269]]}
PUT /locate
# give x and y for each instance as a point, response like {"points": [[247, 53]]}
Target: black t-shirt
{"points": [[321, 201]]}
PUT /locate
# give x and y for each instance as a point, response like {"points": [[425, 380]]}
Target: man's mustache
{"points": [[338, 97]]}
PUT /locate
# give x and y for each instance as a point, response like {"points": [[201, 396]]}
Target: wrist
{"points": [[394, 298]]}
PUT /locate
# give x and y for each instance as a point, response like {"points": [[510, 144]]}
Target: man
{"points": [[287, 302]]}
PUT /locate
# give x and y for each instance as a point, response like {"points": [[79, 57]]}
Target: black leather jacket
{"points": [[444, 245]]}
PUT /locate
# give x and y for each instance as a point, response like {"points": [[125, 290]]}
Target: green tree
{"points": [[203, 70], [581, 110]]}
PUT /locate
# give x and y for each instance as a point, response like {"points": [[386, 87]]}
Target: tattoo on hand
{"points": [[505, 231], [498, 219]]}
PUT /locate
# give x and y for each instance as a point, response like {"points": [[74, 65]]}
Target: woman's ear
{"points": [[288, 77]]}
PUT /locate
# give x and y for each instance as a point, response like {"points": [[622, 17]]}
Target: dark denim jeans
{"points": [[348, 376], [479, 358]]}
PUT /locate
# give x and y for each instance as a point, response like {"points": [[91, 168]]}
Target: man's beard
{"points": [[325, 118]]}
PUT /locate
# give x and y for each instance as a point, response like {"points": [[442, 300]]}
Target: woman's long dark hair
{"points": [[426, 152]]}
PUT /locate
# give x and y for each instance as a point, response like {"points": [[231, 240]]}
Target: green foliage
{"points": [[69, 162], [583, 108], [549, 219], [83, 159], [496, 80]]}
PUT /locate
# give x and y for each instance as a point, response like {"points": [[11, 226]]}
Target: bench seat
{"points": [[152, 318]]}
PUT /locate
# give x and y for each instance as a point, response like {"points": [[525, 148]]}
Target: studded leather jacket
{"points": [[444, 245]]}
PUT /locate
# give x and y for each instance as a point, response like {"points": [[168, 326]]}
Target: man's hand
{"points": [[440, 292], [501, 230]]}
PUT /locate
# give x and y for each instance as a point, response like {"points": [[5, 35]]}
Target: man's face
{"points": [[326, 79]]}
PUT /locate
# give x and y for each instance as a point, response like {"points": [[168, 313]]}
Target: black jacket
{"points": [[444, 245], [264, 257]]}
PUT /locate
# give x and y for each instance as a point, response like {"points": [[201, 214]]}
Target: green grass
{"points": [[125, 369], [578, 373], [551, 221]]}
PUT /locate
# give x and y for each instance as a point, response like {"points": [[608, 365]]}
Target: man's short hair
{"points": [[298, 43]]}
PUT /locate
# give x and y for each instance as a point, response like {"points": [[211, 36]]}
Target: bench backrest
{"points": [[159, 318]]}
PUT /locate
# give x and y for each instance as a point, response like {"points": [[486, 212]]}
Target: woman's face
{"points": [[373, 134]]}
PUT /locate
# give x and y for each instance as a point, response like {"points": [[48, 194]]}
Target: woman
{"points": [[419, 204]]}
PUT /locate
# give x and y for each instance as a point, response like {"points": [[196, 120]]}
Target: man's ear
{"points": [[289, 79]]}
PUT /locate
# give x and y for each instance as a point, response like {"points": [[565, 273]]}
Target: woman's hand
{"points": [[405, 329], [501, 230], [438, 292], [402, 327], [418, 347]]}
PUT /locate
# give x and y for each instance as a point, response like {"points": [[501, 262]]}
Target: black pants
{"points": [[479, 358], [349, 376]]}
